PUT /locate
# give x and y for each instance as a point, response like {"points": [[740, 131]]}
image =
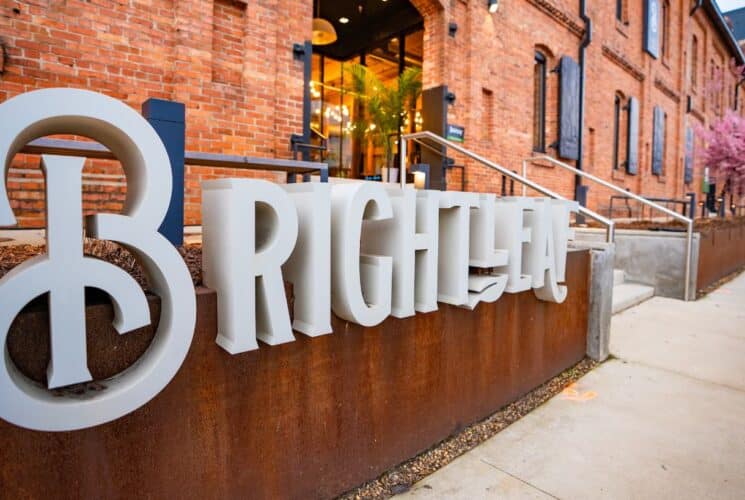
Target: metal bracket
{"points": [[298, 51]]}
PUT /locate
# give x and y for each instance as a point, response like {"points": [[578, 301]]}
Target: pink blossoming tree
{"points": [[724, 150]]}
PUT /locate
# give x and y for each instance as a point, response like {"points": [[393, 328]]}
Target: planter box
{"points": [[722, 252], [308, 419]]}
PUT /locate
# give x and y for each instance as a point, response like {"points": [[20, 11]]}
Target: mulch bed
{"points": [[401, 478], [673, 225], [12, 255]]}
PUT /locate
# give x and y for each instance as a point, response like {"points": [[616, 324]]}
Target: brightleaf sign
{"points": [[363, 250]]}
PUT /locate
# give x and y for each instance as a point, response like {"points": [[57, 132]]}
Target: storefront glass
{"points": [[335, 107]]}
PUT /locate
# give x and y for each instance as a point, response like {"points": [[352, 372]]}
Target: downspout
{"points": [[586, 40]]}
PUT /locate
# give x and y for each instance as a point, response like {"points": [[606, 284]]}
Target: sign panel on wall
{"points": [[455, 133]]}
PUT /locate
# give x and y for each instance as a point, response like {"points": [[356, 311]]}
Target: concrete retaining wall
{"points": [[601, 297], [654, 258]]}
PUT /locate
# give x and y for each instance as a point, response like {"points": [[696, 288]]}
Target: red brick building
{"points": [[233, 65]]}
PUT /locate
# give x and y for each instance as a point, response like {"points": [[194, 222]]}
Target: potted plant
{"points": [[384, 109]]}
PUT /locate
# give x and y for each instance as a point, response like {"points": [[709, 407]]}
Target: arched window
{"points": [[694, 62], [617, 108], [539, 102]]}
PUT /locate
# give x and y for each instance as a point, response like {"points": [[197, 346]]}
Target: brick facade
{"points": [[231, 63]]}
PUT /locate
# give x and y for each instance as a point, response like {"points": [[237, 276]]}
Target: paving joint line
{"points": [[519, 479], [673, 372]]}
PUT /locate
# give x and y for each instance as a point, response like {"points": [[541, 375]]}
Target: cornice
{"points": [[620, 60], [568, 20]]}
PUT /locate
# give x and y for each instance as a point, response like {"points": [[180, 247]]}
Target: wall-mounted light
{"points": [[492, 5], [452, 28], [450, 98]]}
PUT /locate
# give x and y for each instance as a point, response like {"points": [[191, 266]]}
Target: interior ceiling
{"points": [[369, 21]]}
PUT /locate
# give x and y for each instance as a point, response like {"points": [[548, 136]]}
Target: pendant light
{"points": [[323, 31]]}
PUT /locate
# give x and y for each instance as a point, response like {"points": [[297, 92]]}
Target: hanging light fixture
{"points": [[323, 31], [492, 5]]}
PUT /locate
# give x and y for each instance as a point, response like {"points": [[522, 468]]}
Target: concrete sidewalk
{"points": [[664, 420]]}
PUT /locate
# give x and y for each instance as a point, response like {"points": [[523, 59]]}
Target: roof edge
{"points": [[712, 9]]}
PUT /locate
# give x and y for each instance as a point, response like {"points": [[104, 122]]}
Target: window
{"points": [[619, 10], [665, 28], [487, 117], [620, 132], [539, 103], [694, 62], [711, 86], [659, 146], [616, 130]]}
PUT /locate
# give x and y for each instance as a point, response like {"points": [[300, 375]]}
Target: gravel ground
{"points": [[720, 282], [402, 477]]}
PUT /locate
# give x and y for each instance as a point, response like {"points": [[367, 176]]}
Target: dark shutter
{"points": [[632, 165], [652, 27], [688, 175], [658, 140], [568, 109]]}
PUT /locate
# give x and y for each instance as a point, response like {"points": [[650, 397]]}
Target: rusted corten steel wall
{"points": [[721, 252], [307, 419]]}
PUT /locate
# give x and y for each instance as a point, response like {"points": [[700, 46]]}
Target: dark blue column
{"points": [[168, 118]]}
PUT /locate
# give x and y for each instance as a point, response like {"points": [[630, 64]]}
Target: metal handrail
{"points": [[640, 199], [420, 136], [88, 149]]}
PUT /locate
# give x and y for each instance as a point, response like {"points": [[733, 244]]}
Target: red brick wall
{"points": [[231, 62]]}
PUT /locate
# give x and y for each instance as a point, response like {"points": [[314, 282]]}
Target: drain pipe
{"points": [[586, 40]]}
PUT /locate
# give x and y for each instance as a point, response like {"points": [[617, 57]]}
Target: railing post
{"points": [[402, 153], [581, 196], [691, 205], [168, 118]]}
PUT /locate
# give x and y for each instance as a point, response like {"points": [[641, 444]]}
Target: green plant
{"points": [[383, 108]]}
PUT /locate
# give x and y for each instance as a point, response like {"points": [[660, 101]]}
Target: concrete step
{"points": [[618, 277], [628, 295]]}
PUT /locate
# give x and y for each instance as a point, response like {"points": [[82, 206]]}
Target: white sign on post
{"points": [[363, 250]]}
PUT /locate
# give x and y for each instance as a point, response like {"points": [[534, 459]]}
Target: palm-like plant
{"points": [[383, 108]]}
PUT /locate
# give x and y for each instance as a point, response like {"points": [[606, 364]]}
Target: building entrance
{"points": [[386, 37]]}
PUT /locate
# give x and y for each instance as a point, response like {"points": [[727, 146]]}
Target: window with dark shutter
{"points": [[632, 148], [539, 103], [658, 141], [688, 170], [652, 27], [568, 109]]}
